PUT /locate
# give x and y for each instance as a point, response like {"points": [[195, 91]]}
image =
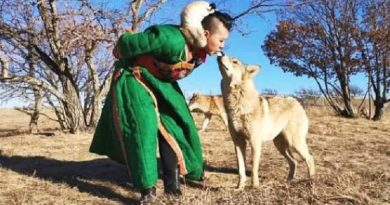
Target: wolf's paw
{"points": [[256, 186], [240, 187]]}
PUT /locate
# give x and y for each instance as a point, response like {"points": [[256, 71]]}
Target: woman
{"points": [[146, 107]]}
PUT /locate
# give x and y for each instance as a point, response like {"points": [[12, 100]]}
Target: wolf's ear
{"points": [[252, 70]]}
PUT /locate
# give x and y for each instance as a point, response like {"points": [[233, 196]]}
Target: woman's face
{"points": [[216, 39]]}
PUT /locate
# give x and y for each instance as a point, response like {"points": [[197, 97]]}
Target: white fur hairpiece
{"points": [[191, 20]]}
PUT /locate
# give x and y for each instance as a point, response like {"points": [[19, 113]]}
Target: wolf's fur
{"points": [[255, 120], [191, 21], [209, 105]]}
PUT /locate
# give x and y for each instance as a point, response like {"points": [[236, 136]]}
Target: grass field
{"points": [[352, 158]]}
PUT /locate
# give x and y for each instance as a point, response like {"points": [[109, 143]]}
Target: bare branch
{"points": [[138, 18], [151, 10], [35, 82], [135, 7], [264, 4], [50, 23]]}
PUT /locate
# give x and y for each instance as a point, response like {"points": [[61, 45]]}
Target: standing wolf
{"points": [[255, 120], [209, 105]]}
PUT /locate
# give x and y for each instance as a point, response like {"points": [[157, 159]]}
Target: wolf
{"points": [[209, 105], [256, 120]]}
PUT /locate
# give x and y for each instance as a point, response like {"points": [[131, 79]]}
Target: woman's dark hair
{"points": [[208, 22]]}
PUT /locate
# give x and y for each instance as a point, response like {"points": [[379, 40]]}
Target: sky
{"points": [[206, 78]]}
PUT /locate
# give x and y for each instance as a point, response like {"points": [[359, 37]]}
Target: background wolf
{"points": [[209, 105]]}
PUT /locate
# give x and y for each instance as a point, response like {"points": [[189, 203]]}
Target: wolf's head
{"points": [[235, 73], [198, 103]]}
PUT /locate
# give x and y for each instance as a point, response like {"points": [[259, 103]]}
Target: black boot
{"points": [[170, 169], [148, 195], [171, 180]]}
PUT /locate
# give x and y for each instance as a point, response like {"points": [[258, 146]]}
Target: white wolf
{"points": [[255, 120]]}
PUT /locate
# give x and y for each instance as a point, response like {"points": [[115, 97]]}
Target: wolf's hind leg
{"points": [[282, 146], [207, 118], [303, 150]]}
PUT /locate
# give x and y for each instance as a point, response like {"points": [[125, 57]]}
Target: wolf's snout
{"points": [[219, 56], [219, 59]]}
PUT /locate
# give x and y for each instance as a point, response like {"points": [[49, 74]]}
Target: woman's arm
{"points": [[131, 45]]}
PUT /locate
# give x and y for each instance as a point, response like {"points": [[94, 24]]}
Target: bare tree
{"points": [[373, 40], [65, 50], [315, 39]]}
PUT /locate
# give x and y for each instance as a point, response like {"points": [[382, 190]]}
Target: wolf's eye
{"points": [[235, 61]]}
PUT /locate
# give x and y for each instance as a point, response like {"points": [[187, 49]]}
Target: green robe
{"points": [[130, 104]]}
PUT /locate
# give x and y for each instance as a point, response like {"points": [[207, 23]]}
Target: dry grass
{"points": [[351, 156]]}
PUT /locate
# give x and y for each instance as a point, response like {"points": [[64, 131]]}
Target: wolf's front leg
{"points": [[256, 153], [240, 146]]}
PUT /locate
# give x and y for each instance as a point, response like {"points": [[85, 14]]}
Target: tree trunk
{"points": [[74, 117], [379, 104], [36, 111], [4, 67], [71, 106], [96, 111], [349, 109], [96, 104]]}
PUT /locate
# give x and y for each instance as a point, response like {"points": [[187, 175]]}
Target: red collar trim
{"points": [[202, 54]]}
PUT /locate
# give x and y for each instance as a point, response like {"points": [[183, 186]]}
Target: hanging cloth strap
{"points": [[167, 136]]}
